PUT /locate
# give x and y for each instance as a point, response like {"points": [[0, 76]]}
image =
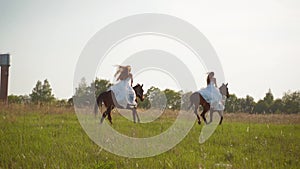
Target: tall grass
{"points": [[51, 137]]}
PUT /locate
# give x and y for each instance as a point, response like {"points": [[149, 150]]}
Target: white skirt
{"points": [[213, 96], [124, 93]]}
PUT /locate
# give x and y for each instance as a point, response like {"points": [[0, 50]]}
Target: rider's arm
{"points": [[215, 82], [130, 75]]}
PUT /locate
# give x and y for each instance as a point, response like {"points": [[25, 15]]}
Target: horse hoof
{"points": [[199, 122]]}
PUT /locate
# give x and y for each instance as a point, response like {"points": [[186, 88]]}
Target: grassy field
{"points": [[43, 137]]}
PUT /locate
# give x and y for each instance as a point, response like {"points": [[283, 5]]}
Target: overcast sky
{"points": [[257, 41]]}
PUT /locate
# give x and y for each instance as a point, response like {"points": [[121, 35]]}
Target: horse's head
{"points": [[139, 91], [224, 90]]}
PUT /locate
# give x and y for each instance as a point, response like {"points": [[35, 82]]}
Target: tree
{"points": [[277, 106], [82, 88], [268, 99], [173, 99], [146, 103], [70, 101], [36, 95], [156, 97], [231, 104], [186, 100], [61, 103], [100, 85], [291, 101], [25, 99], [83, 94], [47, 95], [260, 107], [42, 93], [247, 104], [14, 99]]}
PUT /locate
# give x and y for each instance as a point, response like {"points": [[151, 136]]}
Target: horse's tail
{"points": [[98, 104], [193, 100], [191, 104]]}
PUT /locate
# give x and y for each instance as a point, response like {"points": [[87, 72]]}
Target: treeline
{"points": [[289, 103], [41, 95], [155, 97]]}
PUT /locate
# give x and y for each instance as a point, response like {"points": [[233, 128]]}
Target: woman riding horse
{"points": [[211, 93], [121, 95], [210, 98], [124, 93]]}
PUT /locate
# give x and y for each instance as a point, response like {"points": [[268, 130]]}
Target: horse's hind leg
{"points": [[103, 116], [205, 109], [106, 113], [221, 120], [109, 118], [210, 116], [109, 115], [196, 113]]}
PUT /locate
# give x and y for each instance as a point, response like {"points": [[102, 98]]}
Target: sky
{"points": [[257, 42]]}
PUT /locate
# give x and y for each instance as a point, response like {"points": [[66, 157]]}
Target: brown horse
{"points": [[109, 100], [196, 99]]}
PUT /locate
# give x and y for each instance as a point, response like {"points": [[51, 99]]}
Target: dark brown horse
{"points": [[196, 99], [109, 100]]}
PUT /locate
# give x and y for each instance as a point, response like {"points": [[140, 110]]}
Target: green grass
{"points": [[48, 138]]}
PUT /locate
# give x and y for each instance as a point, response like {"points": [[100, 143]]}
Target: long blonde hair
{"points": [[123, 72], [209, 77]]}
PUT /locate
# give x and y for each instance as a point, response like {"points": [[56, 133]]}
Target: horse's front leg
{"points": [[135, 115], [221, 115]]}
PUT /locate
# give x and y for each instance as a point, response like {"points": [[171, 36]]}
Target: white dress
{"points": [[213, 96], [124, 93]]}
